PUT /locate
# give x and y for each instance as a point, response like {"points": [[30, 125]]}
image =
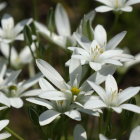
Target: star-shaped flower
{"points": [[10, 32], [112, 98], [98, 52], [116, 5]]}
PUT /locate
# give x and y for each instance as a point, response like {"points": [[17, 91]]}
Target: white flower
{"points": [[116, 5], [98, 52], [3, 124], [65, 98], [2, 5], [10, 32], [62, 26], [112, 98], [11, 93], [17, 60]]}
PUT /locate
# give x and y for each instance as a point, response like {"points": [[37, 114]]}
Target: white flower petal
{"points": [[11, 77], [4, 99], [20, 37], [79, 51], [131, 2], [75, 70], [74, 114], [29, 83], [117, 109], [106, 2], [100, 35], [103, 9], [3, 107], [111, 85], [16, 102], [112, 61], [34, 92], [110, 54], [99, 90], [47, 117], [53, 95], [3, 123], [131, 107], [4, 135], [99, 77], [128, 93], [7, 22], [102, 137], [41, 102], [5, 51], [62, 21], [94, 104], [45, 85], [25, 54], [83, 42], [51, 74], [113, 43], [95, 66], [135, 134], [19, 27], [127, 9], [79, 133], [58, 40]]}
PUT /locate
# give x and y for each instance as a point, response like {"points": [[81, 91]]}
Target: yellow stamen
{"points": [[75, 91]]}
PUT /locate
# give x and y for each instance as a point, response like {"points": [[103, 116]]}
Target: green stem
{"points": [[35, 15], [9, 59], [13, 133], [32, 52], [115, 21], [108, 123], [100, 124]]}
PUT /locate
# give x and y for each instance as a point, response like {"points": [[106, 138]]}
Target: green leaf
{"points": [[33, 115], [28, 35], [50, 20]]}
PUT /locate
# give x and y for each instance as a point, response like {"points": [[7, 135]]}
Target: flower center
{"points": [[12, 90], [96, 51], [75, 90], [117, 4], [113, 98]]}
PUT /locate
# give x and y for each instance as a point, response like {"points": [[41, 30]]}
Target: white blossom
{"points": [[65, 98], [63, 28], [18, 59], [112, 98], [98, 52], [10, 32], [116, 5], [11, 91]]}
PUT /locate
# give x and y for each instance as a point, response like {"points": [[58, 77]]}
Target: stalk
{"points": [[9, 59], [13, 133]]}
